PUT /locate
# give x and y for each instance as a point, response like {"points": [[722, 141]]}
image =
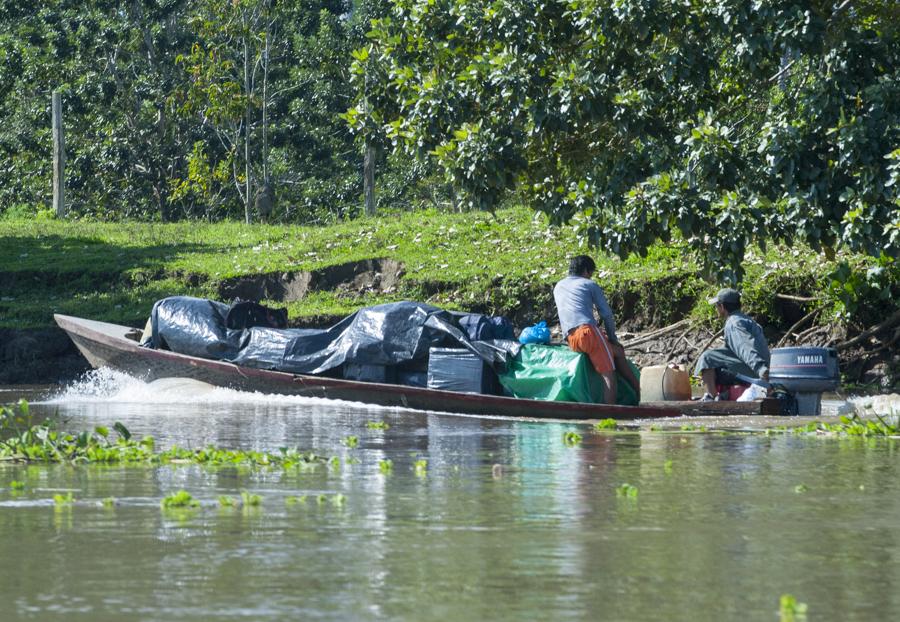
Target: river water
{"points": [[506, 522]]}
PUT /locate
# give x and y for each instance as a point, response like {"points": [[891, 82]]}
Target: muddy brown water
{"points": [[506, 522]]}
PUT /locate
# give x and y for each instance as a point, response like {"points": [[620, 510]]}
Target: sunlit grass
{"points": [[115, 271]]}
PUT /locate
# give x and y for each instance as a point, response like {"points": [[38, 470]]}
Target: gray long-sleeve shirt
{"points": [[576, 297], [745, 338]]}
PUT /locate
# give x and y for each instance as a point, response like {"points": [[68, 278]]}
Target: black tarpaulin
{"points": [[389, 334], [193, 326]]}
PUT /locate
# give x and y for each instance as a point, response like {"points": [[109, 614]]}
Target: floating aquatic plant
{"points": [[667, 466], [377, 425], [179, 500], [800, 488], [606, 424], [108, 502], [790, 610], [16, 485], [420, 467], [854, 425], [294, 500], [66, 499], [351, 441], [386, 466], [571, 439], [693, 428], [227, 501], [627, 490], [250, 500], [22, 440]]}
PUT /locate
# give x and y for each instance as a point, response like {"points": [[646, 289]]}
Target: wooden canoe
{"points": [[106, 345]]}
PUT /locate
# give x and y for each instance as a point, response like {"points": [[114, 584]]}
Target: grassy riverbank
{"points": [[504, 263]]}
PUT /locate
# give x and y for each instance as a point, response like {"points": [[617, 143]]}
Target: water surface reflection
{"points": [[506, 523]]}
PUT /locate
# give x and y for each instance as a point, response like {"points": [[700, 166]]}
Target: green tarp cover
{"points": [[556, 373]]}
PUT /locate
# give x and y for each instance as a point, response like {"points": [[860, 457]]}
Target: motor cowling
{"points": [[806, 373]]}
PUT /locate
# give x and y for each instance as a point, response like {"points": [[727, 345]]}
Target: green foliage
{"points": [[640, 121], [864, 288], [386, 466], [377, 425], [351, 441], [184, 109]]}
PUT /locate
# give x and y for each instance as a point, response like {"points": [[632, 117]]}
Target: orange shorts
{"points": [[589, 339]]}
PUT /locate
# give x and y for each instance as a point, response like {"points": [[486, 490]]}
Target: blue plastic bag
{"points": [[539, 333]]}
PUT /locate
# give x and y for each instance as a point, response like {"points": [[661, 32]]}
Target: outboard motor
{"points": [[805, 373]]}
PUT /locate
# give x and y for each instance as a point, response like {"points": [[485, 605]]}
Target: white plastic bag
{"points": [[753, 392]]}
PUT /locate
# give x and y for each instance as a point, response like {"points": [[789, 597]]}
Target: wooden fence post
{"points": [[59, 157]]}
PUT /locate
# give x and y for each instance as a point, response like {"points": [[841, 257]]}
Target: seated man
{"points": [[576, 298], [746, 351]]}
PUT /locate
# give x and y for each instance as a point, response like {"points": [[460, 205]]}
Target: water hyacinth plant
{"points": [[420, 467], [179, 500], [23, 440], [790, 610], [627, 491], [250, 500], [605, 424], [66, 499], [572, 438]]}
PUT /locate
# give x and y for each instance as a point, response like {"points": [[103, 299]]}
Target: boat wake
{"points": [[109, 386]]}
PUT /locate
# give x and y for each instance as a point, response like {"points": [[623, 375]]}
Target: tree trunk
{"points": [[369, 179], [247, 89]]}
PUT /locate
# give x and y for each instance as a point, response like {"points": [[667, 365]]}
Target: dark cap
{"points": [[726, 295]]}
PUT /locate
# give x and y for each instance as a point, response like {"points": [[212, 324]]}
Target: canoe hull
{"points": [[105, 345]]}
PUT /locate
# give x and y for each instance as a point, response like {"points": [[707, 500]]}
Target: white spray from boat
{"points": [[105, 385]]}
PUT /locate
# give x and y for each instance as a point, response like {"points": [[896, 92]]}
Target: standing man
{"points": [[746, 351], [576, 298]]}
